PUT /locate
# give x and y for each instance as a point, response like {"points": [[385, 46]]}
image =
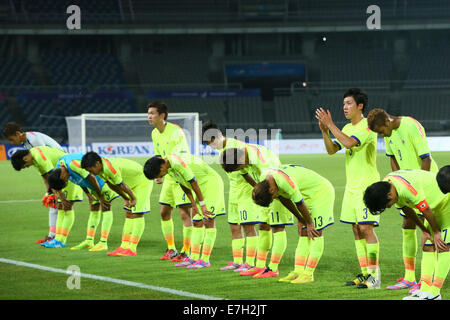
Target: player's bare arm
{"points": [[331, 147], [311, 231], [97, 190], [66, 205], [125, 192], [47, 187], [200, 198], [425, 164], [190, 196], [249, 179], [88, 194], [292, 208], [394, 164], [411, 214], [438, 242], [325, 118]]}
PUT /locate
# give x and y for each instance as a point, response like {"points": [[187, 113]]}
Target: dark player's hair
{"points": [[232, 159], [261, 194], [376, 197], [359, 96], [10, 129], [161, 106], [89, 159], [152, 167], [210, 131], [17, 159], [376, 118], [443, 179], [54, 180]]}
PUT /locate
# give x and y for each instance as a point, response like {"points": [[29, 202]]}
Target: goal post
{"points": [[125, 134]]}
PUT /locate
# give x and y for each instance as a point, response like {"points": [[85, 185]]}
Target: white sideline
{"points": [[14, 201], [112, 280]]}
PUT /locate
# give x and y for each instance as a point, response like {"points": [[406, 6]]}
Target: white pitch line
{"points": [[112, 280], [14, 201]]}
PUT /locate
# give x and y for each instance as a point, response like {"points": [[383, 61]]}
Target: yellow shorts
{"points": [[321, 207], [244, 210], [72, 192], [277, 215], [213, 196], [171, 194], [108, 194], [142, 193], [354, 211]]}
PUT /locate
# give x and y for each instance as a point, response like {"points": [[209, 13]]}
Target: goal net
{"points": [[125, 134]]}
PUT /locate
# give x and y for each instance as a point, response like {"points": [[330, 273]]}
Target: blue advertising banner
{"points": [[265, 70]]}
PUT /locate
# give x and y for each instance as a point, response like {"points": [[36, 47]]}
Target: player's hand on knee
{"points": [[440, 245], [300, 227], [312, 232], [105, 205], [130, 203], [206, 214], [426, 236], [67, 205], [194, 211]]}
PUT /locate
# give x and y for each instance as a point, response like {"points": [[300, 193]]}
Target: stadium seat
{"points": [[83, 68], [15, 72], [244, 113], [5, 116], [293, 114]]}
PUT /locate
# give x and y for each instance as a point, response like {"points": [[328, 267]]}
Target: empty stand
{"points": [[83, 68]]}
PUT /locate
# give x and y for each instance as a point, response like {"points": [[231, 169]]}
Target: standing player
{"points": [[169, 138], [98, 192], [361, 171], [243, 215], [28, 140], [418, 189], [407, 148], [126, 177], [193, 174], [313, 196]]}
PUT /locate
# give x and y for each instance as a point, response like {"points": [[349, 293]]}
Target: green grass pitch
{"points": [[23, 222]]}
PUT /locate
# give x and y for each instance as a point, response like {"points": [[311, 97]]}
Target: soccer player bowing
{"points": [[100, 196], [28, 140], [419, 189], [407, 148], [310, 198], [193, 174], [125, 177], [45, 159]]}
